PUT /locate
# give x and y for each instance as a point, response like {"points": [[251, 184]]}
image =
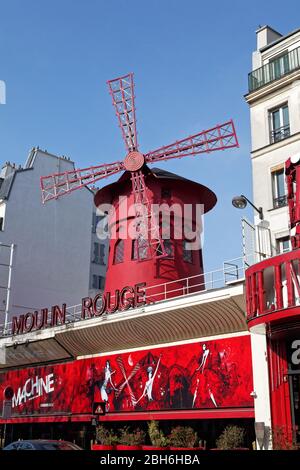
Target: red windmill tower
{"points": [[155, 260]]}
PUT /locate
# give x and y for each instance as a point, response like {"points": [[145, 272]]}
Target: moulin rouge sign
{"points": [[102, 303]]}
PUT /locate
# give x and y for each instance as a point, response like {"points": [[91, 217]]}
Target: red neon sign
{"points": [[102, 303]]}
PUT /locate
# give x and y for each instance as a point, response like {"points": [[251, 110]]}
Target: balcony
{"points": [[280, 201], [273, 288], [279, 134], [274, 70]]}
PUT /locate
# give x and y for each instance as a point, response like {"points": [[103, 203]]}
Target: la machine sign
{"points": [[102, 303], [32, 389]]}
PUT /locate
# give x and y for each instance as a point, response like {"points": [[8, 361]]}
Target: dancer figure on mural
{"points": [[204, 357], [107, 380], [207, 376], [92, 383], [147, 392]]}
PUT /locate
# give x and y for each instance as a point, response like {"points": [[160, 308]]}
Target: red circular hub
{"points": [[134, 161]]}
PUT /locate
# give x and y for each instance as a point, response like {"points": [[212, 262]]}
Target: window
{"points": [[279, 123], [26, 446], [169, 248], [278, 188], [119, 252], [187, 254], [96, 220], [98, 282], [283, 245], [143, 249], [1, 223], [279, 66], [99, 252], [13, 446], [166, 193]]}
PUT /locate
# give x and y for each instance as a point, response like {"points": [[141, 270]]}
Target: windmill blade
{"points": [[122, 93], [59, 184], [221, 137]]}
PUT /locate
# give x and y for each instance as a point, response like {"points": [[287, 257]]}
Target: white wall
{"points": [[261, 383]]}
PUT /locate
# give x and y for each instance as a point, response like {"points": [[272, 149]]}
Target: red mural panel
{"points": [[206, 374]]}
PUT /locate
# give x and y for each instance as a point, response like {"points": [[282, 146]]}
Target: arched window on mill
{"points": [[119, 252], [169, 248], [187, 253], [143, 250]]}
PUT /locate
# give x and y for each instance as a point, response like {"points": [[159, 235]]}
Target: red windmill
{"points": [[149, 240]]}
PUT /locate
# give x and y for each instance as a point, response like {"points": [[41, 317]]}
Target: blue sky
{"points": [[190, 60]]}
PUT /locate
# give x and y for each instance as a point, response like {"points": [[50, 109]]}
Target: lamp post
{"points": [[240, 202], [261, 231]]}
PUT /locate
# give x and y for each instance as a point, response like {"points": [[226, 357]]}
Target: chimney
{"points": [[265, 35], [7, 169]]}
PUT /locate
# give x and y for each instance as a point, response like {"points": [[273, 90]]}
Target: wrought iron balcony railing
{"points": [[280, 201], [274, 70], [280, 134]]}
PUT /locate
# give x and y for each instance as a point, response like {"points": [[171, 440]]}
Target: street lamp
{"points": [[240, 202]]}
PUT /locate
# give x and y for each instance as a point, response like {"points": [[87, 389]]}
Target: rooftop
{"points": [[277, 69], [281, 39], [9, 170]]}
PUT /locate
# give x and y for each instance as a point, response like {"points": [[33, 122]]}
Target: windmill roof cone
{"points": [[124, 267]]}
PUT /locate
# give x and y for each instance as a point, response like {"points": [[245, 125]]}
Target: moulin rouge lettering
{"points": [[33, 388], [128, 297], [102, 303]]}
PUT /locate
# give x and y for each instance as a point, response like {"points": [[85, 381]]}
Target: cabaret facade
{"points": [[164, 341]]}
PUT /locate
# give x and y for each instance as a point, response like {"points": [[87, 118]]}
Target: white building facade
{"points": [[274, 102]]}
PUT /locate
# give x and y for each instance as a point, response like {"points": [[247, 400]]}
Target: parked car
{"points": [[42, 444]]}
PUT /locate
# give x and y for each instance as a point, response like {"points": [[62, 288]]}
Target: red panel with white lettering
{"points": [[207, 374]]}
